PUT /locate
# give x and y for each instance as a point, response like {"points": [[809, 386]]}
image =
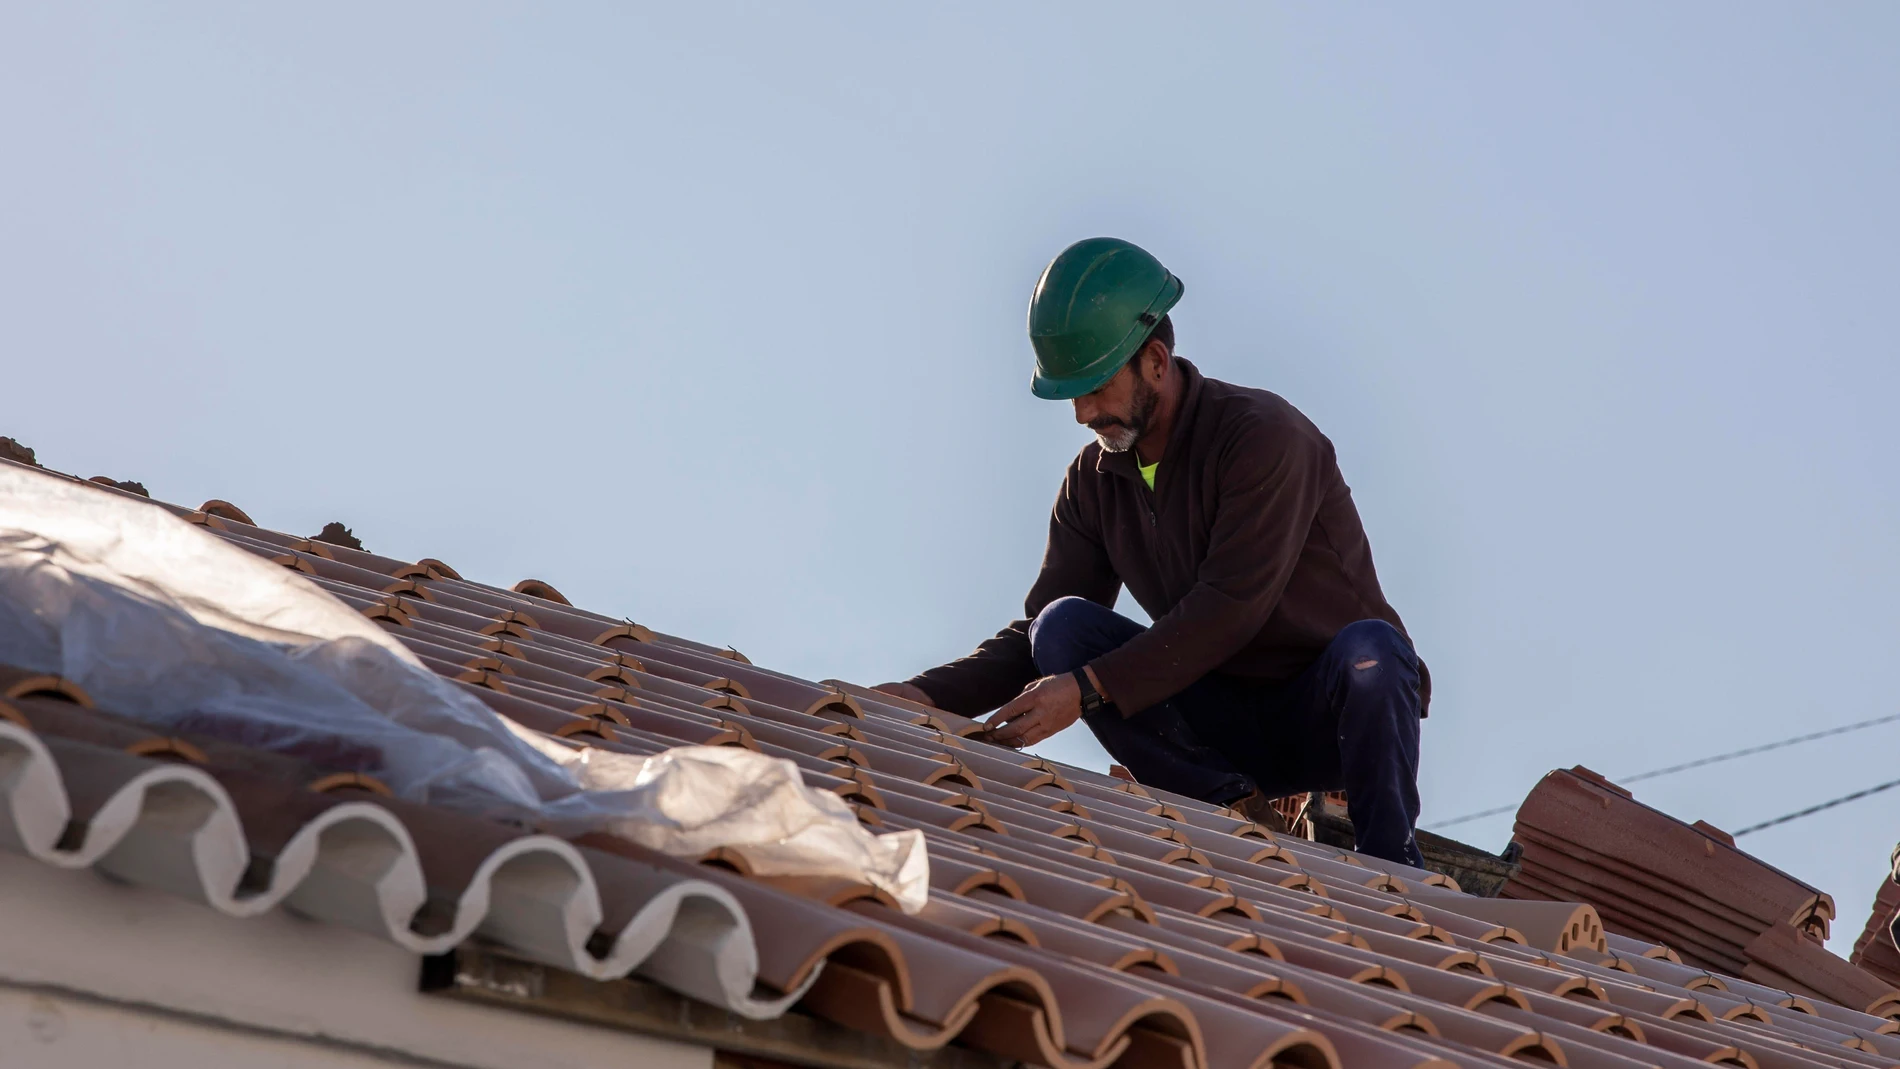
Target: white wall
{"points": [[47, 1030], [94, 973]]}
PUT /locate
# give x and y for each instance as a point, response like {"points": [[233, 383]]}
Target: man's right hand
{"points": [[907, 692]]}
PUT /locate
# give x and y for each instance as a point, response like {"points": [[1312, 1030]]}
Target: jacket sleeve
{"points": [[1270, 482], [1074, 562]]}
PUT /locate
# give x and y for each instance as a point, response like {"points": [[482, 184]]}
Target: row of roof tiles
{"points": [[1685, 885], [1074, 919], [244, 831]]}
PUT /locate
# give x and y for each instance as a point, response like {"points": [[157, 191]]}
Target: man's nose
{"points": [[1084, 410]]}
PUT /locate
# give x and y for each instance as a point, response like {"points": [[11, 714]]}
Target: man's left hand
{"points": [[1043, 708]]}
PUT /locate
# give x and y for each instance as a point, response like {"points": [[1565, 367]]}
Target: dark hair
{"points": [[1163, 333]]}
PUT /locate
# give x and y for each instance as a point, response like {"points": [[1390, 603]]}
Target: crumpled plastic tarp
{"points": [[692, 799], [166, 623]]}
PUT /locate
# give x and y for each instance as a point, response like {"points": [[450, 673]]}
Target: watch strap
{"points": [[1091, 698]]}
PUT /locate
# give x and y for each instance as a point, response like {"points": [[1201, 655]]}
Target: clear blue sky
{"points": [[713, 316]]}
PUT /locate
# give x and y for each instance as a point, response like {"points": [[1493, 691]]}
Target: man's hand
{"points": [[1043, 708], [907, 692]]}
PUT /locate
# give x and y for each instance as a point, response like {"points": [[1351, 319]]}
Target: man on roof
{"points": [[1274, 664]]}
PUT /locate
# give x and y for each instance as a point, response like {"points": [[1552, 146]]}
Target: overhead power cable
{"points": [[1480, 814], [1699, 763], [1763, 748], [1813, 809]]}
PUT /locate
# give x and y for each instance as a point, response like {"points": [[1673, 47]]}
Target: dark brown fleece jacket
{"points": [[1248, 554]]}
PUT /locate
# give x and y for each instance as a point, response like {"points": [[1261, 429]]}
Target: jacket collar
{"points": [[1124, 464]]}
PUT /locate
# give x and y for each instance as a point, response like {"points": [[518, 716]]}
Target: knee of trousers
{"points": [[1371, 644], [1376, 671], [1055, 634]]}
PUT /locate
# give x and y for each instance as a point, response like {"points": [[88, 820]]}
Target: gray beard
{"points": [[1123, 436]]}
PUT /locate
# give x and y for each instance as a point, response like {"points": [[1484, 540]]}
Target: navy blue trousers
{"points": [[1336, 726]]}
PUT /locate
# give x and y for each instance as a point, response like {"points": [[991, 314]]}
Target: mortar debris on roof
{"points": [[338, 535], [129, 487], [17, 453], [1075, 921]]}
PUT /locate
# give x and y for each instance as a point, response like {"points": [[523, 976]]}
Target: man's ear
{"points": [[1154, 359]]}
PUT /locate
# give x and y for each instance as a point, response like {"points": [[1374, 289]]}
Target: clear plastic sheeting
{"points": [[165, 623]]}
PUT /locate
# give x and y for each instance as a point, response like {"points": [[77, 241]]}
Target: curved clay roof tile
{"points": [[224, 510], [535, 588], [19, 683]]}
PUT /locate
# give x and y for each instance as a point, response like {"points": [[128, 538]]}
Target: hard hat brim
{"points": [[1074, 386]]}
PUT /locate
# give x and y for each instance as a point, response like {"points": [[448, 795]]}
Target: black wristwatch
{"points": [[1091, 699]]}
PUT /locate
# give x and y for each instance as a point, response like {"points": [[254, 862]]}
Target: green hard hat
{"points": [[1095, 304]]}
